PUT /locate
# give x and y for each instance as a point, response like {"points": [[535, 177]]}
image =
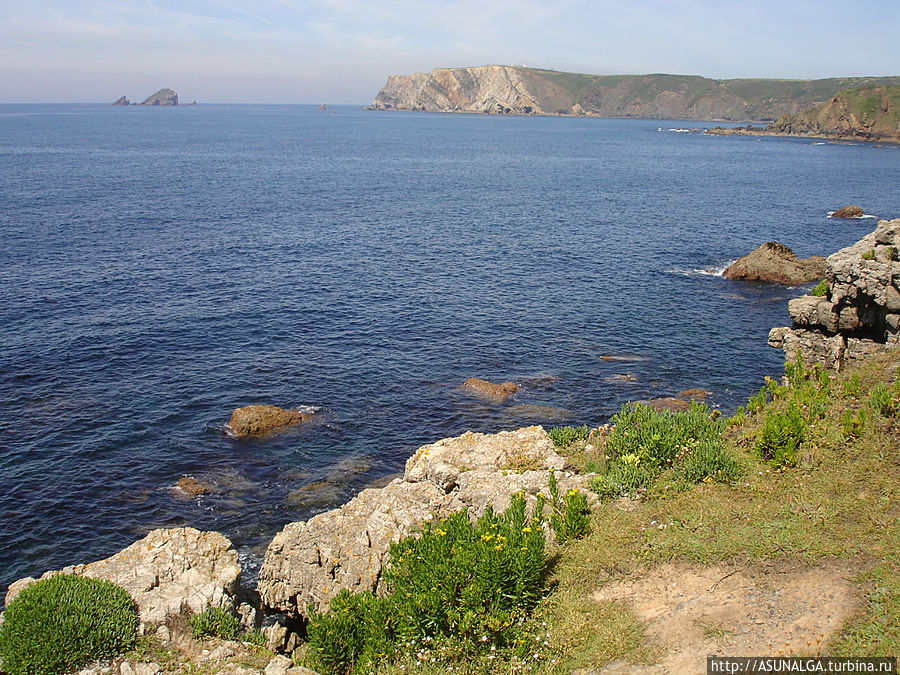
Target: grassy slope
{"points": [[744, 98], [866, 112]]}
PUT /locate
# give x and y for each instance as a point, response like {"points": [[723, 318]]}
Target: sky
{"points": [[342, 51]]}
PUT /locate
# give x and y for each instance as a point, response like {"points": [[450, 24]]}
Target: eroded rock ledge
{"points": [[860, 315], [309, 562]]}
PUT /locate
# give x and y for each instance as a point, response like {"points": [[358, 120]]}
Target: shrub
{"points": [[710, 462], [469, 582], [624, 476], [781, 435], [869, 255], [884, 400], [58, 624], [570, 515], [215, 622], [821, 289], [563, 436], [852, 387], [357, 632]]}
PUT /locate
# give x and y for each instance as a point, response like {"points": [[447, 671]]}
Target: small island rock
{"points": [[191, 486], [162, 97], [489, 390], [253, 420], [122, 100], [776, 263], [851, 211]]}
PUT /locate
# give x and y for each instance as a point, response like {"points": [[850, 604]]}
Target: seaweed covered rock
{"points": [[494, 392], [254, 420], [776, 263], [851, 211]]}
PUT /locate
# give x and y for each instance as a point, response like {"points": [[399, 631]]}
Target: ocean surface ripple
{"points": [[161, 267]]}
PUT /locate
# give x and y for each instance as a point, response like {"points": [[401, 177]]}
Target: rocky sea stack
{"points": [[858, 313], [162, 97], [776, 263], [851, 211]]}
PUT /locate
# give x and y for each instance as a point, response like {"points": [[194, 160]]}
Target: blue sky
{"points": [[341, 51]]}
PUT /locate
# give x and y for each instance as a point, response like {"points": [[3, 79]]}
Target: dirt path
{"points": [[779, 610]]}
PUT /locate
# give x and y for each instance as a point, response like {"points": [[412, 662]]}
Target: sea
{"points": [[160, 267]]}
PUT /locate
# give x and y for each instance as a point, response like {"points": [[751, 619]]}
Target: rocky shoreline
{"points": [[173, 573]]}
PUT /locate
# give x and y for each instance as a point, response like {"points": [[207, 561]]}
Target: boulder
{"points": [[888, 232], [168, 572], [776, 263], [851, 211], [309, 562], [253, 420], [494, 392]]}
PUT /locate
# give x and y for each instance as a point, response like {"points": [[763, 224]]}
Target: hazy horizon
{"points": [[342, 51]]}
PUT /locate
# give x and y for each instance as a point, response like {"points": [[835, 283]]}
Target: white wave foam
{"points": [[712, 271], [863, 216]]}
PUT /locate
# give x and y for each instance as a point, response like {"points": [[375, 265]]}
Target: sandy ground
{"points": [[778, 609]]}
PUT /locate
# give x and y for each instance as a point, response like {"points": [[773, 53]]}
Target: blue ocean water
{"points": [[160, 267]]}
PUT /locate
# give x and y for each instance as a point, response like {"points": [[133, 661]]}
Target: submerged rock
{"points": [[192, 487], [489, 390], [667, 403], [776, 263], [851, 211], [253, 420], [166, 573]]}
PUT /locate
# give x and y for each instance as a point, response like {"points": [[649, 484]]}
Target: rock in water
{"points": [[121, 101], [851, 211], [253, 420], [489, 390], [162, 97], [776, 263], [166, 573], [191, 486]]}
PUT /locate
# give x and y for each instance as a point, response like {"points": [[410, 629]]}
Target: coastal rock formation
{"points": [[860, 315], [521, 90], [851, 211], [162, 97], [253, 420], [121, 101], [495, 392], [167, 572], [867, 113], [776, 263], [191, 486], [309, 562]]}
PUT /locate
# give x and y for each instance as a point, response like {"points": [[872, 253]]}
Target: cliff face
{"points": [[860, 313], [496, 89], [869, 113], [512, 89]]}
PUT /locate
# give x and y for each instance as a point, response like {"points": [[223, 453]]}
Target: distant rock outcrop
{"points": [[859, 315], [121, 101], [253, 420], [308, 563], [851, 211], [776, 263], [520, 90], [162, 97]]}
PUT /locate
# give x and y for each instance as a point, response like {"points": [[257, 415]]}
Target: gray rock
{"points": [[888, 232], [168, 572], [308, 563]]}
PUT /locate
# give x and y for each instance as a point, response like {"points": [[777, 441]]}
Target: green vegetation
{"points": [[869, 255], [58, 624], [563, 436], [215, 622], [821, 290], [460, 588], [646, 443]]}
